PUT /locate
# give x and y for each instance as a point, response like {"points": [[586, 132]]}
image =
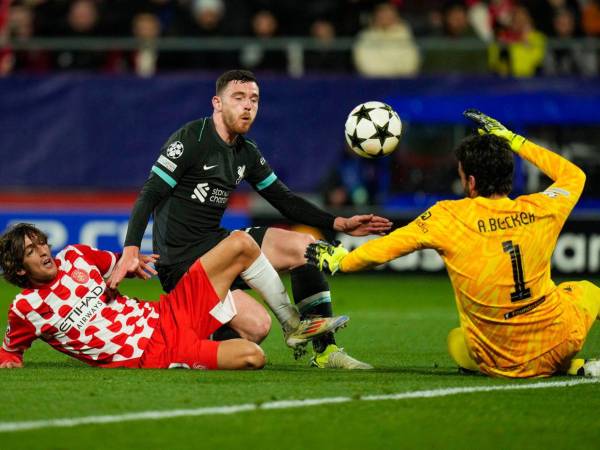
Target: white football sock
{"points": [[262, 277]]}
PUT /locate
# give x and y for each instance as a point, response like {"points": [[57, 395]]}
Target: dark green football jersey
{"points": [[202, 171]]}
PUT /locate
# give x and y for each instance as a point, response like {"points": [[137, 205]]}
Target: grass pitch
{"points": [[398, 323]]}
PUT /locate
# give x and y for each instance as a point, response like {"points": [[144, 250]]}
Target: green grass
{"points": [[399, 324]]}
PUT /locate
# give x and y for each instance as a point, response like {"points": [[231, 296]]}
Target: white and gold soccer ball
{"points": [[373, 130]]}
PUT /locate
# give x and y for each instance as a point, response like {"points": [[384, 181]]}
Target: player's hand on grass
{"points": [[362, 225], [11, 365], [9, 360], [487, 125], [325, 256]]}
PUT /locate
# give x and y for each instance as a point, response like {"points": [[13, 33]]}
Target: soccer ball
{"points": [[373, 130]]}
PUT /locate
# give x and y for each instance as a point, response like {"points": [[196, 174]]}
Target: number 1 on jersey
{"points": [[521, 292]]}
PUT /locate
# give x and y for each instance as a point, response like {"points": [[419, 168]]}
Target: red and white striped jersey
{"points": [[76, 315]]}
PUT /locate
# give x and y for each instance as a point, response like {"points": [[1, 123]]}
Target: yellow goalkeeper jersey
{"points": [[497, 253]]}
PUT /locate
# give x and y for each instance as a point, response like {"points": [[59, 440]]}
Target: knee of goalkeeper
{"points": [[325, 255]]}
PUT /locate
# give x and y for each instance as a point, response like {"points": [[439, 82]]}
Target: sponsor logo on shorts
{"points": [[175, 150], [167, 163]]}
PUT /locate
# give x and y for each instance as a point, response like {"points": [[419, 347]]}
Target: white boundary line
{"points": [[282, 404]]}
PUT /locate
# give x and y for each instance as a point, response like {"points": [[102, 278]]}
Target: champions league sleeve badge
{"points": [[175, 150]]}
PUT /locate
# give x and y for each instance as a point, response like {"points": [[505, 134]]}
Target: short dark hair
{"points": [[12, 251], [489, 159], [243, 76]]}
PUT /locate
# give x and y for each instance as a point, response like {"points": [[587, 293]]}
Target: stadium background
{"points": [[81, 121]]}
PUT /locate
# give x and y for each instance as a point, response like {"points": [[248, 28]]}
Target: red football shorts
{"points": [[189, 314]]}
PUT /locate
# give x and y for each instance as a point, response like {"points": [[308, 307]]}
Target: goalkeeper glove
{"points": [[487, 125], [325, 256]]}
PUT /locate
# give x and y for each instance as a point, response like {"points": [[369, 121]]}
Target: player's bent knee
{"points": [[244, 244], [589, 299], [591, 289], [457, 348], [258, 329], [263, 327], [240, 354]]}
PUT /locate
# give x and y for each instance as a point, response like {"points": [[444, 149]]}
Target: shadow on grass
{"points": [[434, 371], [289, 369], [69, 364], [441, 371]]}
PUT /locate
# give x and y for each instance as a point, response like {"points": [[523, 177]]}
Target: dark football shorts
{"points": [[171, 274]]}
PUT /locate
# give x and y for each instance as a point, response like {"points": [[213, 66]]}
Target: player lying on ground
{"points": [[515, 322], [66, 303], [187, 193]]}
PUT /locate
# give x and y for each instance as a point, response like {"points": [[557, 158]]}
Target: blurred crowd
{"points": [[510, 37]]}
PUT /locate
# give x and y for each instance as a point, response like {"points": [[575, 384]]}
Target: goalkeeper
{"points": [[514, 320]]}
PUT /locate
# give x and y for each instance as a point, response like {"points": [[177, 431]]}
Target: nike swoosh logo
{"points": [[209, 167]]}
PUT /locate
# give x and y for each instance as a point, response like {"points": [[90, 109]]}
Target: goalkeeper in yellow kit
{"points": [[514, 321]]}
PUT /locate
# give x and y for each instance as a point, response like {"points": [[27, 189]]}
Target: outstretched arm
{"points": [[330, 258], [556, 167], [300, 210], [569, 179], [362, 225], [429, 230]]}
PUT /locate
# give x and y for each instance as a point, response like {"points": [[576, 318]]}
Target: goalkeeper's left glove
{"points": [[325, 256], [487, 125]]}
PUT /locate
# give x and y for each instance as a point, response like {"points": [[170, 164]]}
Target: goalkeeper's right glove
{"points": [[487, 125], [325, 256]]}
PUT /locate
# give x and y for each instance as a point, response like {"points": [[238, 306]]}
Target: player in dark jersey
{"points": [[188, 191]]}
